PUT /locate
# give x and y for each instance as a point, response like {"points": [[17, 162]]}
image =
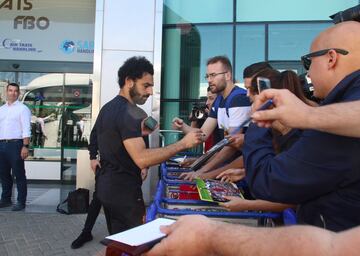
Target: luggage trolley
{"points": [[172, 200], [160, 207], [174, 208], [176, 188]]}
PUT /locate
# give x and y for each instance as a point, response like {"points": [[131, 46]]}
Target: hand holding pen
{"points": [[288, 109]]}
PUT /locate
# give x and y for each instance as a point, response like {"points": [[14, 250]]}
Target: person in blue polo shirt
{"points": [[321, 171], [229, 110]]}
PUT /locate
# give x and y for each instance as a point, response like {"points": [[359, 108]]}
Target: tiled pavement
{"points": [[24, 233]]}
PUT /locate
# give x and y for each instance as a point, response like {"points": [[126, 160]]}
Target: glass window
{"points": [[290, 41], [199, 11], [181, 109], [185, 52], [250, 47], [285, 10], [63, 110], [184, 56]]}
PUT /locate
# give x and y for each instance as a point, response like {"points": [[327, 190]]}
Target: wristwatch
{"points": [[26, 146]]}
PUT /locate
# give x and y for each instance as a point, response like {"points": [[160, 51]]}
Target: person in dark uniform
{"points": [[119, 130], [95, 204]]}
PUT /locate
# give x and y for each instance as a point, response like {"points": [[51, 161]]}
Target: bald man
{"points": [[320, 172]]}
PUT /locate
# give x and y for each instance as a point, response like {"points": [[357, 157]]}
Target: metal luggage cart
{"points": [[168, 203], [172, 172], [173, 208]]}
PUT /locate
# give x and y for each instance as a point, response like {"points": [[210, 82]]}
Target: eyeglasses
{"points": [[212, 75], [306, 59]]}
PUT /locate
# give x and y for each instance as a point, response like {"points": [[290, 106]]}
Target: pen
{"points": [[184, 158]]}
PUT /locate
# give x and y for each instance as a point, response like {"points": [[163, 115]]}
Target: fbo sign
{"points": [[30, 22]]}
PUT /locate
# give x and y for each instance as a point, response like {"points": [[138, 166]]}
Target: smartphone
{"points": [[150, 123], [263, 83]]}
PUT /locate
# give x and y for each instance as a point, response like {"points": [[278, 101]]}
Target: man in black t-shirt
{"points": [[119, 130]]}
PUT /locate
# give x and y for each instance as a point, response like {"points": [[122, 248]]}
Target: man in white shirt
{"points": [[80, 125], [15, 120]]}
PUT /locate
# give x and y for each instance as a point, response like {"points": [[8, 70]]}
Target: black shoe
{"points": [[18, 207], [81, 240], [4, 204]]}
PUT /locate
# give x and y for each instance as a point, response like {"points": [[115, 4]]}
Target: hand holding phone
{"points": [[263, 83], [150, 123]]}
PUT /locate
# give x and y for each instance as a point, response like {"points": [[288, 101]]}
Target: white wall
{"points": [[42, 170]]}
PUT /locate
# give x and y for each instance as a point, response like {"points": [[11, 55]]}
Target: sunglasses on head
{"points": [[306, 59]]}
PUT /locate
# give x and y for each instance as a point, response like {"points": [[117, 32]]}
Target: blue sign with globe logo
{"points": [[67, 46]]}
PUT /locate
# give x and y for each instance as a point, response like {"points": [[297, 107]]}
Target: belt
{"points": [[10, 140]]}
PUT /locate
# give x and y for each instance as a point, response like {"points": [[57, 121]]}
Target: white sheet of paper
{"points": [[142, 234], [179, 159]]}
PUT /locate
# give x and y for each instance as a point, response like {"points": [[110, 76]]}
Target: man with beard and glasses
{"points": [[119, 136], [230, 109]]}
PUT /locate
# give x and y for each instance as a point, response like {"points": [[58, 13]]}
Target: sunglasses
{"points": [[306, 59]]}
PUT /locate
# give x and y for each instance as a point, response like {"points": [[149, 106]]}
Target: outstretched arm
{"points": [[144, 157], [292, 112], [208, 237]]}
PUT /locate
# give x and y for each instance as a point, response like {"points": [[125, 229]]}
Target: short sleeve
{"points": [[213, 112], [239, 110], [130, 125]]}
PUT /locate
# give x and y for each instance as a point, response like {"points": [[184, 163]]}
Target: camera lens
{"points": [[199, 114]]}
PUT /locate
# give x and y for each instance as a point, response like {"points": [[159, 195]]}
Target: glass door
{"points": [[60, 105], [75, 122]]}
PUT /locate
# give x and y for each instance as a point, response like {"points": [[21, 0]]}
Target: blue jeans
{"points": [[10, 159]]}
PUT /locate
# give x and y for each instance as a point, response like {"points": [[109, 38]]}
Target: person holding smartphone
{"points": [[320, 170]]}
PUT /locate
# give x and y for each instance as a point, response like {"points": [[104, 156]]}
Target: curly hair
{"points": [[134, 68]]}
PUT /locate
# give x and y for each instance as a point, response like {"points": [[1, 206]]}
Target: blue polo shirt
{"points": [[238, 110], [320, 172]]}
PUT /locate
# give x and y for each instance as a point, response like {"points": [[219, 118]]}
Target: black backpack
{"points": [[77, 202]]}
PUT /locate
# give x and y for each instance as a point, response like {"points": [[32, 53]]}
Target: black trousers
{"points": [[94, 208], [93, 213], [121, 197], [11, 161], [119, 218]]}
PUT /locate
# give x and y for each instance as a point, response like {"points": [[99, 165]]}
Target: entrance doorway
{"points": [[60, 104]]}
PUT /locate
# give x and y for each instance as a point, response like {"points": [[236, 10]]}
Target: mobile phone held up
{"points": [[263, 83], [150, 123]]}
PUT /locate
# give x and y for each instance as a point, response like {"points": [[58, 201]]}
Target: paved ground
{"points": [[23, 233]]}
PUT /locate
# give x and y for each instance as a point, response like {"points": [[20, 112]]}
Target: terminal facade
{"points": [[65, 55]]}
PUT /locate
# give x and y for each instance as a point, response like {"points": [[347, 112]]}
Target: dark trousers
{"points": [[93, 213], [119, 218], [121, 196], [39, 139], [10, 160]]}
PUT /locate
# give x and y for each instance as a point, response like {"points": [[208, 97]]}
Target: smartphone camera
{"points": [[263, 83], [150, 123]]}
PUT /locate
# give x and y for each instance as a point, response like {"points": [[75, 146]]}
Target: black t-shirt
{"points": [[117, 121]]}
